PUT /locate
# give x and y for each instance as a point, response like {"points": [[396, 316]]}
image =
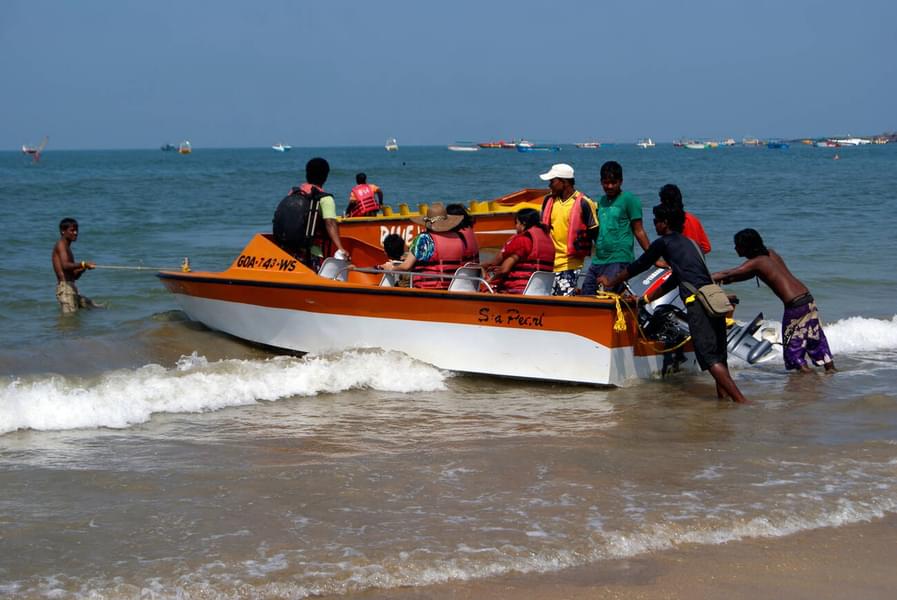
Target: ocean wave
{"points": [[127, 397], [853, 334]]}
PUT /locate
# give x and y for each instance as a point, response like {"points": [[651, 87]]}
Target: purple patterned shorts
{"points": [[802, 335]]}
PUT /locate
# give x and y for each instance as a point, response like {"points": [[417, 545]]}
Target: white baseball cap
{"points": [[561, 170]]}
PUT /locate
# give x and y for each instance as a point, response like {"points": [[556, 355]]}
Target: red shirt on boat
{"points": [[693, 230]]}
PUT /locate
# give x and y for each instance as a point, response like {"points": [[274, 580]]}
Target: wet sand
{"points": [[854, 561]]}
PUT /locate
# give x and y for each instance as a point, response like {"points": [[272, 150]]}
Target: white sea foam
{"points": [[127, 397], [853, 334]]}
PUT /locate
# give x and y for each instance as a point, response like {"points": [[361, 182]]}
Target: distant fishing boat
{"points": [[35, 151], [852, 141], [646, 143], [751, 141], [391, 145], [489, 144], [777, 145], [589, 145], [168, 147], [696, 145], [463, 148], [729, 142], [281, 147], [827, 144], [185, 147]]}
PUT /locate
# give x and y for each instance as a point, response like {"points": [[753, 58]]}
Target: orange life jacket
{"points": [[364, 202], [448, 255], [471, 246], [576, 230], [541, 258]]}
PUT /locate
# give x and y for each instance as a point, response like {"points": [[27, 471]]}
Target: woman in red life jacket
{"points": [[439, 250], [671, 196], [365, 199], [471, 246], [529, 250]]}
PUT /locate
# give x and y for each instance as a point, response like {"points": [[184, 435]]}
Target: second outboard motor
{"points": [[740, 341]]}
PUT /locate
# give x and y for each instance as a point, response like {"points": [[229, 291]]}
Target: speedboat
{"points": [[696, 145], [35, 151], [777, 145], [589, 145], [391, 145], [185, 147], [281, 147], [460, 148], [267, 296], [646, 143], [852, 141]]}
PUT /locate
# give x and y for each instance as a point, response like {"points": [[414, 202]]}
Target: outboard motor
{"points": [[740, 341], [665, 320]]}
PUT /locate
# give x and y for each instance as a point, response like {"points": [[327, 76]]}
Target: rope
{"points": [[620, 322], [185, 267]]}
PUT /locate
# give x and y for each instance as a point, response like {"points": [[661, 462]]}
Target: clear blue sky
{"points": [[128, 74]]}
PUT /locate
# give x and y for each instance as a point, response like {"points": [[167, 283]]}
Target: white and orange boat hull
{"points": [[267, 297]]}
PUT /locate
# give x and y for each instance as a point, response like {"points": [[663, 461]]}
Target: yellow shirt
{"points": [[560, 225]]}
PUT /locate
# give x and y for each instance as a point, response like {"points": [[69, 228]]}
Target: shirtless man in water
{"points": [[801, 331], [67, 270]]}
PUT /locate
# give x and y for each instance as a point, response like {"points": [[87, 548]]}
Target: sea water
{"points": [[144, 455]]}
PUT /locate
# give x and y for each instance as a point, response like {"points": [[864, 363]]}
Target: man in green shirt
{"points": [[619, 224]]}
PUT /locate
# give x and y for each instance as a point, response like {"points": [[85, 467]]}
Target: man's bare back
{"points": [[772, 271]]}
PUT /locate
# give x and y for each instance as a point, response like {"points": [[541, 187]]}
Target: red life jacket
{"points": [[471, 246], [541, 258], [365, 202], [576, 230], [448, 255]]}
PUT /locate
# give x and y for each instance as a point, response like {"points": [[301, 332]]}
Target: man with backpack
{"points": [[305, 222]]}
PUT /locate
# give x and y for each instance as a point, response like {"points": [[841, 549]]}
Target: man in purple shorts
{"points": [[802, 333]]}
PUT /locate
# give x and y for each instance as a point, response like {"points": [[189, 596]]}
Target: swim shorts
{"points": [[708, 336], [565, 283], [68, 297], [802, 334]]}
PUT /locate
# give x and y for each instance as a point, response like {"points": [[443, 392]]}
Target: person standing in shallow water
{"points": [[67, 270], [802, 333]]}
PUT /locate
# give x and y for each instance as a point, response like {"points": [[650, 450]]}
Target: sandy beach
{"points": [[853, 561]]}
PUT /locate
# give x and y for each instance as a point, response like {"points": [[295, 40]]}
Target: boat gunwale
{"points": [[354, 288]]}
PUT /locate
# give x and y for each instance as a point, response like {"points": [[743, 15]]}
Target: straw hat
{"points": [[437, 219]]}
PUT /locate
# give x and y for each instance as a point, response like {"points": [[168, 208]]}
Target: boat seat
{"points": [[389, 279], [334, 268], [467, 279], [540, 284]]}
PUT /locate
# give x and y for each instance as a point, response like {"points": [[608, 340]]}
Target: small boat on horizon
{"points": [[391, 145], [490, 144], [750, 141], [168, 147], [589, 145], [463, 148], [35, 151], [185, 147], [695, 145], [777, 145], [646, 143], [281, 147]]}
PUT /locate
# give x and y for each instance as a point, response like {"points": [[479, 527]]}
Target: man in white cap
{"points": [[570, 215]]}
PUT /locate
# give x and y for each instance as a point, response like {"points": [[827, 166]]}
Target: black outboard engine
{"points": [[665, 320]]}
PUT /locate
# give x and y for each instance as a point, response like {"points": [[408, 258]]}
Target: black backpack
{"points": [[296, 218]]}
